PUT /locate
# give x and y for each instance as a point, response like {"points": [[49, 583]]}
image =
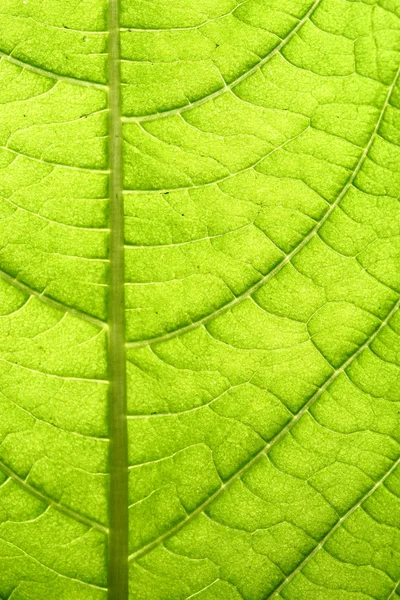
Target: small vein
{"points": [[58, 429], [209, 238], [267, 447], [225, 177], [233, 83], [51, 221], [64, 29], [188, 28], [50, 163], [63, 377], [45, 73], [373, 518], [189, 410], [203, 589], [92, 585], [23, 287], [288, 258], [50, 502]]}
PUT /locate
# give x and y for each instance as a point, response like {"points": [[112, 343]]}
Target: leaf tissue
{"points": [[199, 292]]}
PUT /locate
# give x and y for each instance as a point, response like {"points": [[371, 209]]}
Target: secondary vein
{"points": [[271, 444], [118, 541], [330, 533], [288, 258], [26, 289], [235, 82], [50, 502], [51, 74]]}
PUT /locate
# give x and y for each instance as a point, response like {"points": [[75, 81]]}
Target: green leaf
{"points": [[199, 292]]}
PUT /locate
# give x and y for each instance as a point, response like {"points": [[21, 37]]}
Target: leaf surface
{"points": [[199, 292]]}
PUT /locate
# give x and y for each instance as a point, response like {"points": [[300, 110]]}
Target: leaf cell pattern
{"points": [[200, 282]]}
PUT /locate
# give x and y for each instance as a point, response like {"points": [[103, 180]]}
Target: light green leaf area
{"points": [[257, 156]]}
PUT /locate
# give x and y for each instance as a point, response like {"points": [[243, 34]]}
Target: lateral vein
{"points": [[235, 82], [26, 289], [288, 258], [50, 502], [333, 530], [51, 74], [265, 449]]}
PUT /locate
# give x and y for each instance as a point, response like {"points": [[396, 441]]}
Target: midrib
{"points": [[118, 539]]}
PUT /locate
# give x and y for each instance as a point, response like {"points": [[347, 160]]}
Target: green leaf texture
{"points": [[199, 284]]}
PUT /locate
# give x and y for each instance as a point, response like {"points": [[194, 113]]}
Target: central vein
{"points": [[118, 541]]}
